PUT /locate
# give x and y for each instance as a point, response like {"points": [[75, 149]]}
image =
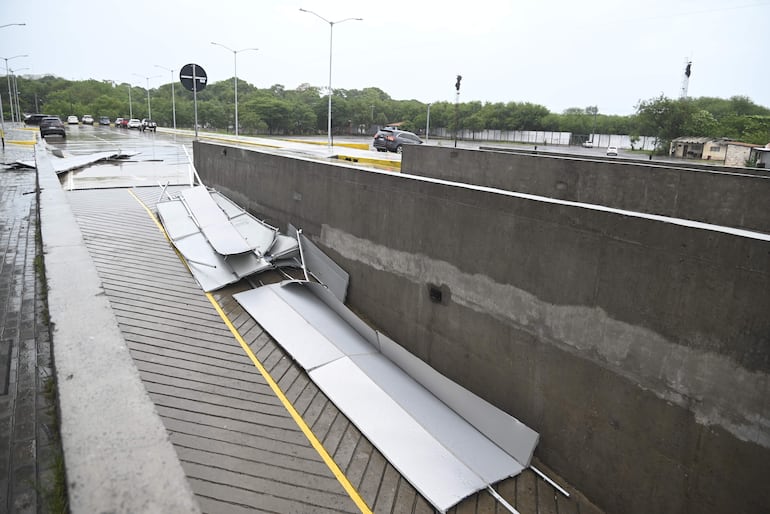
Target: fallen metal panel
{"points": [[230, 208], [331, 301], [207, 266], [438, 450], [259, 236], [213, 222], [326, 322], [464, 441], [176, 220], [245, 264], [431, 468], [510, 434], [74, 162], [283, 246], [323, 268], [305, 344]]}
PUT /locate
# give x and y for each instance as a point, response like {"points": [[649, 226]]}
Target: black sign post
{"points": [[193, 78]]}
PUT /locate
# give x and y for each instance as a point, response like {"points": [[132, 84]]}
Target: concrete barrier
{"points": [[701, 193], [637, 346], [117, 454]]}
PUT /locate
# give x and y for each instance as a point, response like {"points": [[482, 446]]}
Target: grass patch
{"points": [[54, 495]]}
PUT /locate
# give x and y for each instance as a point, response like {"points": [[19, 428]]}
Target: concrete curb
{"points": [[117, 453]]}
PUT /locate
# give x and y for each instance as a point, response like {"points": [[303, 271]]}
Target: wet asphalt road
{"points": [[160, 158]]}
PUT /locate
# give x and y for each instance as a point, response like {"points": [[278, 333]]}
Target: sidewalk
{"points": [[28, 436]]}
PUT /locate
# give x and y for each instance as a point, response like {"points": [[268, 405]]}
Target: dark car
{"points": [[52, 126], [148, 124], [104, 120], [392, 140], [35, 119]]}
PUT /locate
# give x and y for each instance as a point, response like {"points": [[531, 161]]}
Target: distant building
{"points": [[738, 153], [730, 152]]}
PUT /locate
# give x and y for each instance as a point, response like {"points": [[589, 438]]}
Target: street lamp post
{"points": [[331, 35], [130, 103], [427, 126], [149, 107], [235, 73], [16, 91], [8, 78], [11, 25], [173, 97]]}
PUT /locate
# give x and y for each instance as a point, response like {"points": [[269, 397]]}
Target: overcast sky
{"points": [[557, 53]]}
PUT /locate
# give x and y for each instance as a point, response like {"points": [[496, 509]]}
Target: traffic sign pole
{"points": [[193, 78]]}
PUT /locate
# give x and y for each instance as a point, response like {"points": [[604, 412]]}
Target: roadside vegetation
{"points": [[280, 111]]}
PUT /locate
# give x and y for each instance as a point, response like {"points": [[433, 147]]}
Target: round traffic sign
{"points": [[193, 77]]}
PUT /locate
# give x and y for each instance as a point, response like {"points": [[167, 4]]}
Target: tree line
{"points": [[301, 111]]}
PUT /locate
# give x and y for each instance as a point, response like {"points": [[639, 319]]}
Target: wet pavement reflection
{"points": [[160, 158]]}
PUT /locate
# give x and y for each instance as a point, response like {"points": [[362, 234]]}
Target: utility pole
{"points": [[686, 78]]}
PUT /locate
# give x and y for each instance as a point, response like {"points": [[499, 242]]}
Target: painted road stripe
{"points": [[328, 460]]}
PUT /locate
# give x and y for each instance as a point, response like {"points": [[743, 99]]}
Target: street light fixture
{"points": [[235, 73], [11, 25], [8, 77], [149, 107], [331, 34], [173, 97]]}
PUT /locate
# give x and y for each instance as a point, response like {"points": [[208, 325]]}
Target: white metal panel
{"points": [[324, 269], [213, 222], [283, 245], [207, 266], [259, 236], [480, 454], [510, 434], [230, 208], [176, 220], [322, 319], [305, 344], [431, 468]]}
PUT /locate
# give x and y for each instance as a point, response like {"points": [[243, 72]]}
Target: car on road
{"points": [[35, 119], [52, 126], [588, 144], [393, 140], [148, 124], [87, 119], [612, 150], [104, 120], [134, 123], [72, 120]]}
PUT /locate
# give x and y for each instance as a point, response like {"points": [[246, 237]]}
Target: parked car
{"points": [[588, 144], [612, 150], [104, 120], [52, 126], [87, 119], [392, 140], [72, 120], [124, 123], [35, 119], [134, 123], [118, 122], [148, 124]]}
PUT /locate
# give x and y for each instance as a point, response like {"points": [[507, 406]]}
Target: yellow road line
{"points": [[296, 416]]}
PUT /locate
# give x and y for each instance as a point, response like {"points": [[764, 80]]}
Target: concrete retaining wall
{"points": [[639, 349], [698, 193]]}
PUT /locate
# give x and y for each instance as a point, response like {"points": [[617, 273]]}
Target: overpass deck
{"points": [[250, 429]]}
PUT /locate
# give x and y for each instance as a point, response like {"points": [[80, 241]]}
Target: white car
{"points": [[612, 150], [87, 119], [588, 144], [134, 123], [72, 120]]}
